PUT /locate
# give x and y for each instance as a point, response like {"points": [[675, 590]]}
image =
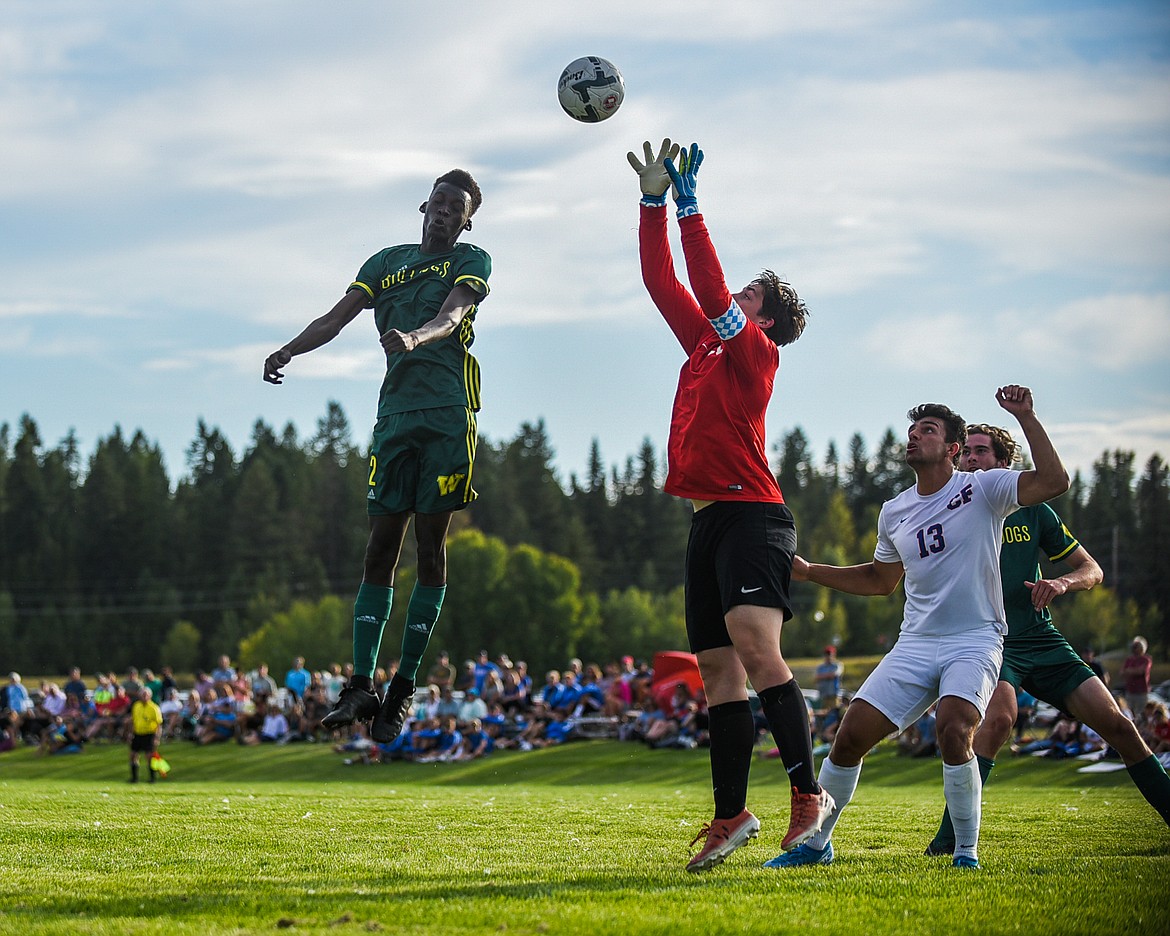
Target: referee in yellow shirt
{"points": [[146, 726]]}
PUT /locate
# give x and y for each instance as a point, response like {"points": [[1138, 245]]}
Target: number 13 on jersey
{"points": [[930, 540]]}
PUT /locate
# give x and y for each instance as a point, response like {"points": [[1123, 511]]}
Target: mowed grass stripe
{"points": [[589, 838]]}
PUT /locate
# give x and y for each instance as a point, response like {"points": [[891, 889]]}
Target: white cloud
{"points": [[1113, 332], [205, 180]]}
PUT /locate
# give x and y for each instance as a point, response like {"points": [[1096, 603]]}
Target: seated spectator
{"points": [[552, 690], [664, 730], [483, 668], [275, 729], [1155, 730], [62, 737], [557, 729], [18, 703], [530, 729], [429, 708], [167, 678], [525, 680], [111, 715], [190, 717], [442, 673], [514, 697], [224, 672], [448, 704], [828, 723], [333, 681], [314, 708], [75, 685], [465, 678], [472, 709], [52, 700], [619, 699], [640, 681], [476, 743], [261, 684], [570, 693], [590, 697], [444, 743], [493, 687], [1067, 738], [218, 722], [172, 713], [153, 683], [79, 713], [921, 738], [204, 684], [1025, 712], [249, 713], [132, 683]]}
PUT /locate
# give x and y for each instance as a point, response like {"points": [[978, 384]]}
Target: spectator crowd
{"points": [[459, 713]]}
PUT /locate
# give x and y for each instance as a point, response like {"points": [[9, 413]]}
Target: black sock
{"points": [[787, 715], [133, 771], [733, 734], [361, 682]]}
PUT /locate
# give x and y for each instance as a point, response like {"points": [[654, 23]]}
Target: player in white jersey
{"points": [[944, 535]]}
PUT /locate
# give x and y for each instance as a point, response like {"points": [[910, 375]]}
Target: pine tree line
{"points": [[113, 564]]}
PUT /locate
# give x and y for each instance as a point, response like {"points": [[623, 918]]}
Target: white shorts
{"points": [[920, 670]]}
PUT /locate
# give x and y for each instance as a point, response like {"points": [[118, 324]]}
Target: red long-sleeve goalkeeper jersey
{"points": [[717, 448]]}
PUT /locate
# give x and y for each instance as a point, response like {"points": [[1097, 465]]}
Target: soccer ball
{"points": [[591, 89]]}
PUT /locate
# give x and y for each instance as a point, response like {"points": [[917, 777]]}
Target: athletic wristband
{"points": [[686, 206], [654, 201]]}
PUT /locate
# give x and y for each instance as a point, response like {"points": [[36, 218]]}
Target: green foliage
{"points": [[180, 650], [639, 623], [101, 563], [321, 632]]}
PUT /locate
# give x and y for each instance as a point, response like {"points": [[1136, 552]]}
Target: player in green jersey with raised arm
{"points": [[1035, 654], [424, 298]]}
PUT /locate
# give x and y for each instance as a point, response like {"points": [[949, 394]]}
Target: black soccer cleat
{"points": [[354, 705], [391, 716]]}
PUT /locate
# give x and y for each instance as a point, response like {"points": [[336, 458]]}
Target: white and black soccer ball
{"points": [[591, 89]]}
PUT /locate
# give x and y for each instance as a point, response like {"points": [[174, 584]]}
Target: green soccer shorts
{"points": [[422, 461], [1045, 665]]}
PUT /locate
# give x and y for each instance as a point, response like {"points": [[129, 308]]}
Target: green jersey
{"points": [[1027, 530], [407, 288]]}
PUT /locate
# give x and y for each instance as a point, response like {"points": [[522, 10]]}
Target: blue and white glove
{"points": [[683, 180]]}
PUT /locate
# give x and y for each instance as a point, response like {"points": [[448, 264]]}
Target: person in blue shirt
{"points": [[483, 666], [297, 679]]}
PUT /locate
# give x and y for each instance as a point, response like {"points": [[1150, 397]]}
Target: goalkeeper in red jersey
{"points": [[742, 538]]}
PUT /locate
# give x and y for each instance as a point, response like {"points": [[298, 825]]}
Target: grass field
{"points": [[590, 838]]}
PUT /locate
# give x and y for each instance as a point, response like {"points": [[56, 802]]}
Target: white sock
{"points": [[840, 782], [963, 789]]}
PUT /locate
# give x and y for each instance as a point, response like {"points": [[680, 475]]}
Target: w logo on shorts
{"points": [[449, 483]]}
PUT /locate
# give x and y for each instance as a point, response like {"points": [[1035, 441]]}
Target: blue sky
{"points": [[966, 194]]}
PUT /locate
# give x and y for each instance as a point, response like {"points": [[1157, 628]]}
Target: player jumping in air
{"points": [[424, 299], [944, 535], [742, 539], [1035, 654]]}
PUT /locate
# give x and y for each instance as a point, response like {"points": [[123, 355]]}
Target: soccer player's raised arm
{"points": [[1049, 478], [670, 297], [318, 332]]}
